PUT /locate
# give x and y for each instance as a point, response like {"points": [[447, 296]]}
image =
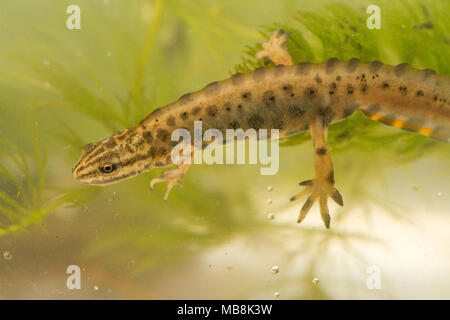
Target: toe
{"points": [[155, 181], [306, 183], [300, 194], [305, 209], [336, 196], [324, 211]]}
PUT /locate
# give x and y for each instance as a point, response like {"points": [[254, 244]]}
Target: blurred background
{"points": [[230, 233]]}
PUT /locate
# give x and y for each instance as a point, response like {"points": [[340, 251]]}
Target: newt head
{"points": [[122, 156]]}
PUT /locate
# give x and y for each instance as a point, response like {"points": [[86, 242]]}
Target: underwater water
{"points": [[230, 232]]}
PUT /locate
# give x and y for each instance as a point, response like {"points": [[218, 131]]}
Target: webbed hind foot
{"points": [[275, 49], [318, 189]]}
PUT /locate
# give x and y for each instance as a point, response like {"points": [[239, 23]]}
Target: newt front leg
{"points": [[322, 186], [172, 177]]}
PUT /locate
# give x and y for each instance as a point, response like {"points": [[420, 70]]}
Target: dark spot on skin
{"points": [[426, 73], [401, 69], [435, 98], [304, 68], [227, 106], [161, 151], [237, 78], [279, 69], [403, 90], [310, 91], [350, 89], [170, 121], [419, 93], [286, 88], [148, 136], [278, 124], [333, 88], [256, 122], [330, 177], [318, 79], [364, 88], [269, 98], [159, 164], [211, 110], [152, 151], [163, 135], [233, 125], [184, 115], [321, 151], [239, 107], [186, 98], [338, 78], [352, 64], [374, 66], [296, 111], [331, 65], [326, 115], [259, 73], [247, 96], [210, 88], [385, 85], [196, 110], [129, 148]]}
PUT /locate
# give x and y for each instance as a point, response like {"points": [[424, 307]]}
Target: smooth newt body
{"points": [[288, 97]]}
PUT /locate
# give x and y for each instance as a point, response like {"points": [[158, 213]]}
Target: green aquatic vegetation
{"points": [[24, 199]]}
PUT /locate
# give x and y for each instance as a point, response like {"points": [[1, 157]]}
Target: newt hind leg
{"points": [[275, 49], [322, 186]]}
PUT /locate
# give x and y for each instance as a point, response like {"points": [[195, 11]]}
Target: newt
{"points": [[289, 97]]}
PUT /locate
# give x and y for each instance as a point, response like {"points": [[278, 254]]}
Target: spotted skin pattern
{"points": [[289, 97]]}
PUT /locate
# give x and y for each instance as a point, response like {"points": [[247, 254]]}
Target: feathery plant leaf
{"points": [[21, 203]]}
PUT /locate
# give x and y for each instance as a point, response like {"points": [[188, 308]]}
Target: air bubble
{"points": [[439, 194], [275, 269], [7, 255], [269, 188], [270, 216], [316, 280], [269, 201], [95, 288], [109, 53], [276, 294]]}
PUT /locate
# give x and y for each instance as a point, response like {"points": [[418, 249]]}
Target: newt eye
{"points": [[108, 168]]}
